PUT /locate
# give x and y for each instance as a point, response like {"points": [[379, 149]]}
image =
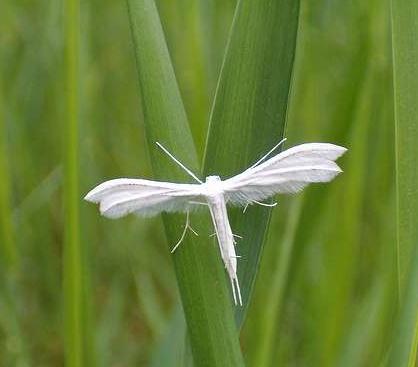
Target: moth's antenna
{"points": [[269, 152], [178, 162]]}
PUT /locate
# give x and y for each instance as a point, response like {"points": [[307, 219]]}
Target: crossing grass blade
{"points": [[200, 274], [405, 69], [249, 112], [182, 21]]}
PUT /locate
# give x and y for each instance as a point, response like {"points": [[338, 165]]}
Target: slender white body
{"points": [[218, 211], [285, 173]]}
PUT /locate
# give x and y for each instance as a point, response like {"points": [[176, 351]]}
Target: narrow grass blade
{"points": [[184, 34], [8, 245], [405, 53], [10, 291], [170, 351], [72, 251], [344, 242], [405, 68], [249, 112], [405, 336], [200, 274], [263, 326]]}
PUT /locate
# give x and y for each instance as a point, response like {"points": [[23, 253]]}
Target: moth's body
{"points": [[287, 172], [218, 211]]}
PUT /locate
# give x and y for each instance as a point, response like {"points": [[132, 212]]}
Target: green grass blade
{"points": [[182, 23], [270, 308], [199, 271], [405, 336], [405, 53], [72, 251], [405, 67], [9, 273], [9, 252], [170, 351], [249, 112]]}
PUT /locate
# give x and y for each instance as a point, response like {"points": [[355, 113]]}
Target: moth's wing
{"points": [[123, 196], [287, 172]]}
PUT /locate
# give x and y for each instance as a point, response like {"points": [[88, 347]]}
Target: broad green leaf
{"points": [[200, 274], [405, 69], [249, 113]]}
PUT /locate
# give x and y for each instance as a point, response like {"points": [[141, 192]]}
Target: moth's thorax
{"points": [[213, 179], [213, 186]]}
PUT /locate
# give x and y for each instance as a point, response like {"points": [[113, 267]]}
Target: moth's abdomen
{"points": [[225, 238], [223, 231]]}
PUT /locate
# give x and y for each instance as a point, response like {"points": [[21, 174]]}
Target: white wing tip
{"points": [[90, 197], [95, 195], [341, 149]]}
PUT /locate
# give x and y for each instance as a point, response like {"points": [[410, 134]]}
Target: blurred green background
{"points": [[325, 294]]}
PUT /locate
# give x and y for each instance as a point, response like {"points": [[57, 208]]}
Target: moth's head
{"points": [[212, 186], [212, 179]]}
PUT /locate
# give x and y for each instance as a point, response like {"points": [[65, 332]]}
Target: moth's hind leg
{"points": [[236, 291], [259, 203], [186, 227], [236, 236], [233, 291]]}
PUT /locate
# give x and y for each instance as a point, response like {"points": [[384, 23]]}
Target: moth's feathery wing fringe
{"points": [[287, 172], [123, 196]]}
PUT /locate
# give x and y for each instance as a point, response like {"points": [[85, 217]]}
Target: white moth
{"points": [[287, 172]]}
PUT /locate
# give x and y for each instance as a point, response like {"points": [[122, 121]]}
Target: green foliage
{"points": [[326, 293], [8, 247], [249, 112], [405, 53], [72, 259], [200, 275]]}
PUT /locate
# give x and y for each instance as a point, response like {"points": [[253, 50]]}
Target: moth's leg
{"points": [[245, 207], [233, 290], [236, 236], [193, 231], [188, 223], [265, 204], [196, 203], [238, 291], [268, 153], [186, 226], [259, 203]]}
